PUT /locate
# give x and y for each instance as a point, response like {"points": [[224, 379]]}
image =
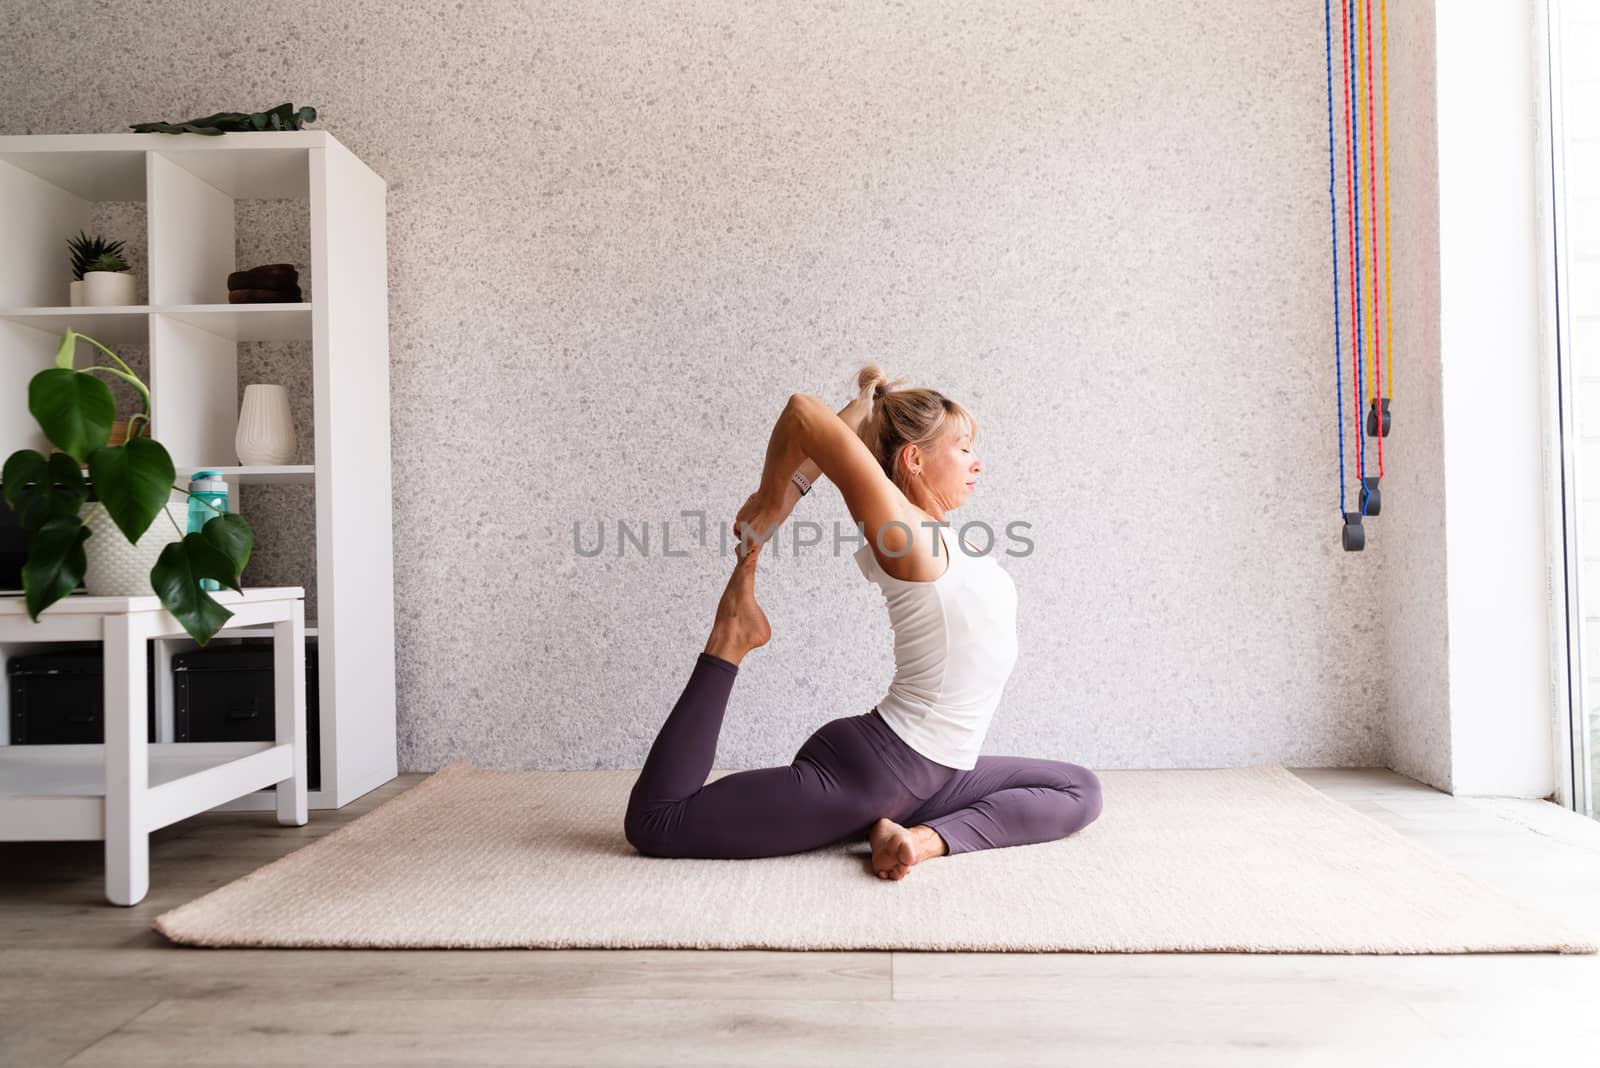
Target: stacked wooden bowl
{"points": [[272, 283]]}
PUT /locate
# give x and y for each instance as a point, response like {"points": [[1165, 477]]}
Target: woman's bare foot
{"points": [[740, 625], [895, 848]]}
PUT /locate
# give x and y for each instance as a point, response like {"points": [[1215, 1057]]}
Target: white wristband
{"points": [[800, 480]]}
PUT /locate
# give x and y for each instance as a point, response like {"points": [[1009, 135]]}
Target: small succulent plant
{"points": [[86, 250], [107, 261]]}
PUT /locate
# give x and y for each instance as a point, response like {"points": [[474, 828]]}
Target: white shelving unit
{"points": [[189, 184]]}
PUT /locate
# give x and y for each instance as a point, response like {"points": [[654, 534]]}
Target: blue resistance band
{"points": [[1333, 222]]}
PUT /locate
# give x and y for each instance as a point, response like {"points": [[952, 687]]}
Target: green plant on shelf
{"points": [[107, 261], [86, 250], [132, 482], [283, 117]]}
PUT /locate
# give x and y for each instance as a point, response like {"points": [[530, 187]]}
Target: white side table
{"points": [[129, 786]]}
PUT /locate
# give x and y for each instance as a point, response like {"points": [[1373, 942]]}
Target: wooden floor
{"points": [[85, 982]]}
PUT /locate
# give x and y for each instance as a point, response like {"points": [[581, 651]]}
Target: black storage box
{"points": [[225, 694], [59, 698]]}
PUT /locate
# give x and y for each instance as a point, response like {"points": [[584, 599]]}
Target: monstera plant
{"points": [[132, 482]]}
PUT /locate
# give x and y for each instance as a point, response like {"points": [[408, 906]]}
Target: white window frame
{"points": [[1573, 773]]}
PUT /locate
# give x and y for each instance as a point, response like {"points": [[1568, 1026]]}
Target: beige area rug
{"points": [[1244, 860]]}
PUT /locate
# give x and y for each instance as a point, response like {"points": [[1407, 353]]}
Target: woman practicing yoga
{"points": [[907, 774]]}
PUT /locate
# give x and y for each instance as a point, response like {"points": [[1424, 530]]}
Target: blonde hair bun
{"points": [[918, 417]]}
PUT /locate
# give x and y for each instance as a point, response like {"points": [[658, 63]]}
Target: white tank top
{"points": [[955, 643]]}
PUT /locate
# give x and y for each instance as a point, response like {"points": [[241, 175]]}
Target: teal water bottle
{"points": [[208, 496]]}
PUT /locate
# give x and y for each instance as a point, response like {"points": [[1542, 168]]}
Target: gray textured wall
{"points": [[621, 234]]}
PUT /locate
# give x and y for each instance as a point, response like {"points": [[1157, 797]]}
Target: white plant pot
{"points": [[117, 568], [104, 289], [266, 429], [75, 294]]}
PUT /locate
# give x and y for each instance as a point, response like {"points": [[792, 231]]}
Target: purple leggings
{"points": [[846, 775]]}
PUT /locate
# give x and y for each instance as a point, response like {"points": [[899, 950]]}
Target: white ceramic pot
{"points": [[75, 294], [104, 289], [266, 429], [117, 568]]}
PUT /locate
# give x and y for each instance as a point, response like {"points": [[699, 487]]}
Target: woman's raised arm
{"points": [[808, 429], [851, 414]]}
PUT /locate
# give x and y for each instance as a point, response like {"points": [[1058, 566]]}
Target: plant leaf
{"points": [[74, 409], [55, 564], [173, 128], [36, 505], [66, 350], [221, 119], [133, 481], [22, 467], [175, 580], [232, 537], [207, 560], [107, 261]]}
